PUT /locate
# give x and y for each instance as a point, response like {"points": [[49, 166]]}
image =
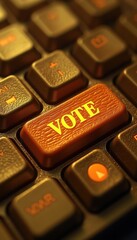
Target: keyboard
{"points": [[68, 119]]}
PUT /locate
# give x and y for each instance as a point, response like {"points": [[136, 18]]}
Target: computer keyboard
{"points": [[68, 119]]}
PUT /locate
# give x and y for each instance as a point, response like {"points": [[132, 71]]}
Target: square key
{"points": [[44, 211], [55, 77], [96, 180], [15, 170], [100, 51], [16, 50], [16, 103], [55, 26]]}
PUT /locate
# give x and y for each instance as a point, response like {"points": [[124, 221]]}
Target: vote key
{"points": [[76, 123]]}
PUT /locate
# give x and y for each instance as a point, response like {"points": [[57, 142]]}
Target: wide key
{"points": [[66, 129]]}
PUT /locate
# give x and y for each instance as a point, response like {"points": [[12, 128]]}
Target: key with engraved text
{"points": [[63, 131]]}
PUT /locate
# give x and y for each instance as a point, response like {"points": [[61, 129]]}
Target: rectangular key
{"points": [[44, 212], [61, 132]]}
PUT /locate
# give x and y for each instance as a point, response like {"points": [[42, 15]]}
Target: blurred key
{"points": [[127, 28], [15, 170], [127, 82], [23, 9], [54, 26], [3, 17], [16, 50], [124, 148], [66, 129], [55, 77], [101, 51], [96, 12], [96, 180], [44, 212], [16, 103]]}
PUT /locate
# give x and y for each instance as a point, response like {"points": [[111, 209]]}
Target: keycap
{"points": [[4, 232], [16, 50], [127, 29], [127, 83], [58, 134], [52, 78], [96, 180], [55, 26], [96, 12], [3, 17], [15, 170], [16, 103], [124, 148], [23, 9], [100, 51], [44, 211]]}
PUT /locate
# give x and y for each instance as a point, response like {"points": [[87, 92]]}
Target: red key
{"points": [[61, 132]]}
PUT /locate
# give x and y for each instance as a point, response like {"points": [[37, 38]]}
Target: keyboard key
{"points": [[96, 12], [127, 83], [44, 211], [100, 52], [52, 78], [23, 9], [54, 26], [127, 28], [124, 148], [16, 50], [15, 170], [3, 17], [16, 103], [66, 129], [96, 180], [4, 232]]}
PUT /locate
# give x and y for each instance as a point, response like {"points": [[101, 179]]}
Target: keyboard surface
{"points": [[68, 119]]}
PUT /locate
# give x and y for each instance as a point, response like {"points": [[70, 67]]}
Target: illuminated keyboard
{"points": [[68, 119]]}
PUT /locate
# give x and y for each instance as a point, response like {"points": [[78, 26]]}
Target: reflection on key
{"points": [[66, 129], [17, 103], [45, 211], [52, 78], [16, 50], [54, 26], [98, 178], [15, 170], [101, 51]]}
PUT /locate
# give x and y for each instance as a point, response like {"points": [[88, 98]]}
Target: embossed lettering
{"points": [[69, 121]]}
